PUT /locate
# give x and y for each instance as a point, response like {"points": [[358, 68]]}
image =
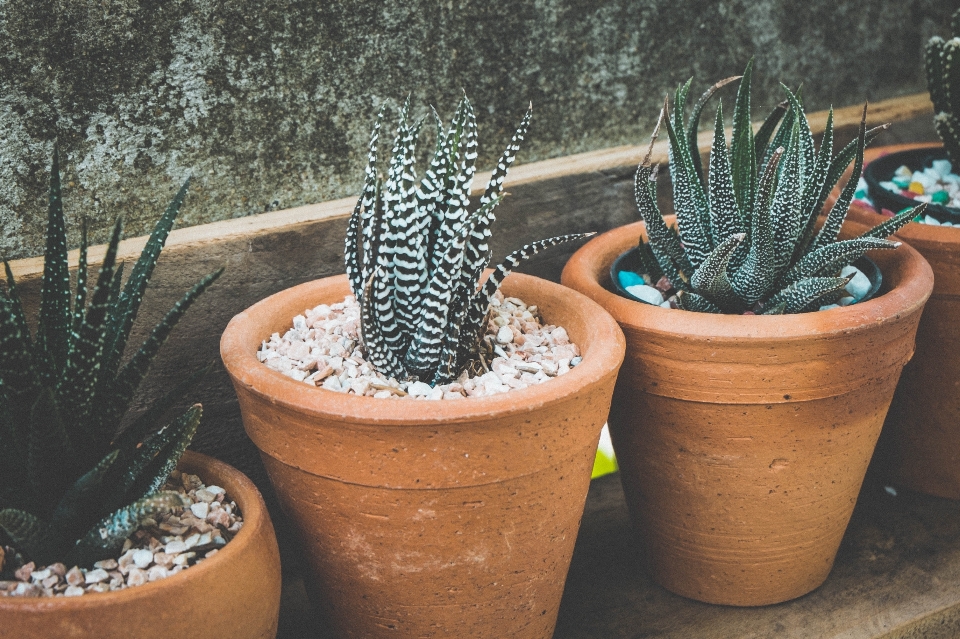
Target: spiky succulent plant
{"points": [[72, 487], [745, 239], [943, 82], [415, 251]]}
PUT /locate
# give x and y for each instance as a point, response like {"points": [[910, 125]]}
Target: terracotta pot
{"points": [[234, 594], [431, 519], [743, 440], [920, 445]]}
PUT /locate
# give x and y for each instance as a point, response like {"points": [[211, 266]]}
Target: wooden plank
{"points": [[845, 119]]}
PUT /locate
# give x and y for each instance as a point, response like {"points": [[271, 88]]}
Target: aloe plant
{"points": [[943, 81], [746, 238], [72, 487], [415, 251]]}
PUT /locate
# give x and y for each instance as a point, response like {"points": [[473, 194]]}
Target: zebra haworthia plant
{"points": [[943, 82], [746, 239], [73, 488], [415, 250]]}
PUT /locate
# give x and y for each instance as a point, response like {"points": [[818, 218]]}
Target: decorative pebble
{"points": [[629, 278], [328, 342], [647, 294], [935, 184], [859, 284], [142, 558], [96, 576]]}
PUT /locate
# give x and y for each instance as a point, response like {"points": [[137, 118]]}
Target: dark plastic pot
{"points": [[881, 170]]}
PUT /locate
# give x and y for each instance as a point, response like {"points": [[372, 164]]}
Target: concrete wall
{"points": [[269, 104]]}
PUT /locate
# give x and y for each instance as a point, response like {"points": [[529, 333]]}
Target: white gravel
{"points": [[157, 550], [323, 348]]}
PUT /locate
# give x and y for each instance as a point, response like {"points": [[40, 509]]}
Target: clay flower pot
{"points": [[920, 445], [452, 518], [743, 440], [234, 594]]}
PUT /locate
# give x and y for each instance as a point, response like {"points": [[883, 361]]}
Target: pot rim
{"points": [[238, 351], [242, 490], [590, 265]]}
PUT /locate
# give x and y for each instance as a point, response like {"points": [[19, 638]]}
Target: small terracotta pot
{"points": [[743, 440], [233, 594], [431, 518], [920, 445]]}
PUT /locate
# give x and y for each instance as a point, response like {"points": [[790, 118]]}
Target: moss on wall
{"points": [[268, 103]]}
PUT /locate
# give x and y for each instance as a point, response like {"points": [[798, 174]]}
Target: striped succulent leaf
{"points": [[942, 64], [756, 250], [63, 395], [417, 279]]}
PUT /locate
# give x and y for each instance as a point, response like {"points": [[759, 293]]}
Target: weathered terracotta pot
{"points": [[432, 519], [234, 594], [743, 440], [920, 445]]}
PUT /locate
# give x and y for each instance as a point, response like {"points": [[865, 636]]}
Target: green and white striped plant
{"points": [[943, 82], [415, 251], [73, 486], [746, 239]]}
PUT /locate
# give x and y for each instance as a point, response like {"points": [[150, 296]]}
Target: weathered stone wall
{"points": [[269, 103]]}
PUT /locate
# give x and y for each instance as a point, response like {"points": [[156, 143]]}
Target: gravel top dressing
{"points": [[158, 549], [324, 349]]}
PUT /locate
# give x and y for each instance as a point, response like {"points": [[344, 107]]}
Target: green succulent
{"points": [[415, 252], [746, 239], [73, 486], [943, 82]]}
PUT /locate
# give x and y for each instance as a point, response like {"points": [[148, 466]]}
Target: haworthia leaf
{"points": [[742, 152], [948, 128], [159, 454], [688, 301], [936, 79], [829, 259], [106, 537], [950, 60], [761, 142], [693, 125], [727, 220], [132, 373], [22, 528], [140, 276], [804, 295], [786, 209], [895, 223], [689, 201], [666, 245], [54, 321], [831, 226], [710, 279]]}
